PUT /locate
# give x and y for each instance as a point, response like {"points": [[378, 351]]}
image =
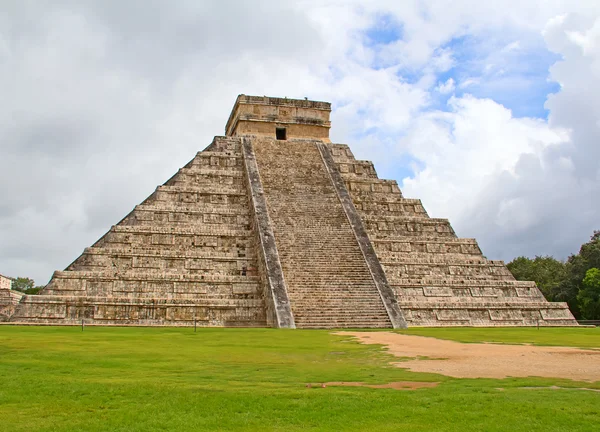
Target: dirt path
{"points": [[481, 360]]}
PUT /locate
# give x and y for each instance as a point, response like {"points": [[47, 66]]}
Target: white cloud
{"points": [[469, 82], [513, 46], [447, 87], [465, 149], [521, 186]]}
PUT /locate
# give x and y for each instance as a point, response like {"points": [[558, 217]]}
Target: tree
{"points": [[547, 272], [22, 284], [560, 281], [589, 296], [576, 270], [34, 290], [26, 285]]}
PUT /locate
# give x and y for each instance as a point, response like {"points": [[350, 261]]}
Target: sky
{"points": [[489, 112]]}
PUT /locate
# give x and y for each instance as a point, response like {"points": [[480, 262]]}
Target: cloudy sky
{"points": [[489, 111]]}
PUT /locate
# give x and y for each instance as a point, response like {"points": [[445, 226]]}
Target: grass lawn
{"points": [[159, 379], [565, 336]]}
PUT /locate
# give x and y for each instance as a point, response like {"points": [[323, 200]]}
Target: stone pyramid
{"points": [[273, 225]]}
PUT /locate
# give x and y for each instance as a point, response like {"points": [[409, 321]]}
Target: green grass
{"points": [[159, 379], [565, 336]]}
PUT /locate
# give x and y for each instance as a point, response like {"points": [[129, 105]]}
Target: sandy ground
{"points": [[482, 360]]}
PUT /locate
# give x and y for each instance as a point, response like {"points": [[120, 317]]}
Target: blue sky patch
{"points": [[508, 71], [399, 167], [386, 30]]}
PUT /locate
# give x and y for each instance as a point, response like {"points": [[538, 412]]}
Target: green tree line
{"points": [[575, 281], [25, 285]]}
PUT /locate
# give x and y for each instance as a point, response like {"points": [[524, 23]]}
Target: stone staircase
{"points": [[327, 279]]}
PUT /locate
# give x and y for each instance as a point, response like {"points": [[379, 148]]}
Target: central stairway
{"points": [[328, 281]]}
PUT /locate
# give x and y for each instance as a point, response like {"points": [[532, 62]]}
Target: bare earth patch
{"points": [[482, 360]]}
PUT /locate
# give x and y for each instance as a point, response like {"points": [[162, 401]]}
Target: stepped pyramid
{"points": [[273, 225]]}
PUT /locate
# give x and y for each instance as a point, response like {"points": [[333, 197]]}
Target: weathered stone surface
{"points": [[279, 312], [261, 116], [387, 294], [186, 254], [274, 225], [8, 298], [328, 280], [439, 279]]}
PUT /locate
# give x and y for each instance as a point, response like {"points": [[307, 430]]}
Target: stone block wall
{"points": [[260, 115], [9, 299]]}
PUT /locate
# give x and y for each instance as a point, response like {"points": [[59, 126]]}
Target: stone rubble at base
{"points": [[257, 231]]}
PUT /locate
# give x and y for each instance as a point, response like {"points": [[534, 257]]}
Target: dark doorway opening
{"points": [[280, 133]]}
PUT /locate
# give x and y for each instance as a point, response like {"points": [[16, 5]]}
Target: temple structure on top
{"points": [[273, 225], [280, 118]]}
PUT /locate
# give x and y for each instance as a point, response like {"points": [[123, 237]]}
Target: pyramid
{"points": [[274, 225]]}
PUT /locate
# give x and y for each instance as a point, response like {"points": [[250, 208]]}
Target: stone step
{"points": [[191, 221], [149, 275], [341, 324], [306, 294], [357, 320], [216, 189], [182, 230], [373, 208], [444, 260], [224, 162], [316, 326], [419, 249], [475, 275], [332, 315], [154, 288], [194, 208], [305, 310], [504, 304], [194, 266], [429, 235], [242, 254], [207, 174], [482, 290], [235, 172], [323, 303], [409, 226], [356, 170], [157, 302], [310, 293], [400, 258], [316, 264], [204, 154], [458, 282], [361, 185], [336, 314]]}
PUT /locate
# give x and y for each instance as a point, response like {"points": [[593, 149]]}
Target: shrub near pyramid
{"points": [[273, 225]]}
